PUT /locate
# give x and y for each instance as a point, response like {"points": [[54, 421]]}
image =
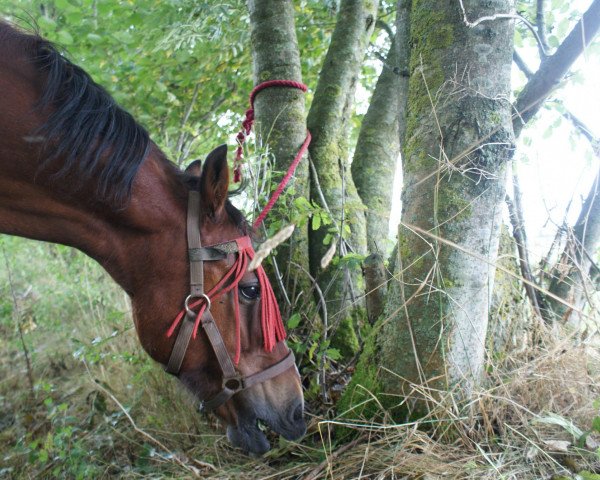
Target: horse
{"points": [[76, 169]]}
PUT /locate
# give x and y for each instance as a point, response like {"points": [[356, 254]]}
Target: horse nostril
{"points": [[298, 413]]}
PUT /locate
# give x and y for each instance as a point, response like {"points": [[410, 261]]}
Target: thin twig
{"points": [[500, 16], [186, 116], [579, 125], [17, 317], [323, 306], [540, 21], [518, 234], [489, 262], [522, 65]]}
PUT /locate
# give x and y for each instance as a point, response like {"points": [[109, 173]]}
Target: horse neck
{"points": [[139, 245]]}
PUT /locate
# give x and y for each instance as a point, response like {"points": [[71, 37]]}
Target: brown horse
{"points": [[76, 169]]}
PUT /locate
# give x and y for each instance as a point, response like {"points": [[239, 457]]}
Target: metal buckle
{"points": [[190, 297], [235, 384]]}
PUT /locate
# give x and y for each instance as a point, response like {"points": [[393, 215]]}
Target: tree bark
{"points": [[382, 131], [328, 122], [458, 140], [280, 118]]}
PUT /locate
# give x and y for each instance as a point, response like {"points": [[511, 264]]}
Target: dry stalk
{"points": [[267, 247], [17, 316]]}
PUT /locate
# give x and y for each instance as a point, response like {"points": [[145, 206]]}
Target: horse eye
{"points": [[251, 292]]}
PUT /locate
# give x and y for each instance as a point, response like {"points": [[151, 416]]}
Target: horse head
{"points": [[238, 302]]}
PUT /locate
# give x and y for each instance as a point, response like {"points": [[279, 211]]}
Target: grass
{"points": [[100, 408]]}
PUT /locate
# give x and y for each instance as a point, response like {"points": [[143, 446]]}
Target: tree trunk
{"points": [[280, 118], [328, 122], [378, 145], [458, 140], [575, 276]]}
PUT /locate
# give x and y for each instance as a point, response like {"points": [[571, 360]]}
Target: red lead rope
{"points": [[247, 127]]}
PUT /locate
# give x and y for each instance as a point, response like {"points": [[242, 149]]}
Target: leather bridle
{"points": [[233, 381]]}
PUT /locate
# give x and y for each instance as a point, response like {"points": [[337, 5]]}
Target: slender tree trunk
{"points": [[575, 277], [328, 122], [378, 145], [280, 118], [458, 140]]}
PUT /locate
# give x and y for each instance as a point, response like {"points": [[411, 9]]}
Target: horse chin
{"points": [[249, 438], [249, 434]]}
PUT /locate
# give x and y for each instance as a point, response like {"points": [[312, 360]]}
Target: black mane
{"points": [[87, 129], [94, 137]]}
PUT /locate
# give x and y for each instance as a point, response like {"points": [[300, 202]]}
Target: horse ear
{"points": [[214, 181], [194, 169]]}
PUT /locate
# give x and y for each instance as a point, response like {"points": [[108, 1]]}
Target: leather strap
{"points": [[246, 382], [194, 243], [196, 284], [206, 254], [181, 344], [218, 345], [274, 370]]}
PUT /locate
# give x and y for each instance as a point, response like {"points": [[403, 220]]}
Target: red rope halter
{"points": [[245, 131]]}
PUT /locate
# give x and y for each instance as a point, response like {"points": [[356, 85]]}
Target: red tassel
{"points": [[237, 174], [272, 326]]}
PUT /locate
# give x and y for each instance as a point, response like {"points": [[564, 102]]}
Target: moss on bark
{"points": [[328, 122], [458, 139]]}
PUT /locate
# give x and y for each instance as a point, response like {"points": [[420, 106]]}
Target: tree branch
{"points": [[522, 65], [554, 68], [520, 240], [504, 16], [579, 125], [385, 27], [540, 23]]}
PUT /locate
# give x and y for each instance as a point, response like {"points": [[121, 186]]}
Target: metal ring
{"points": [[190, 297]]}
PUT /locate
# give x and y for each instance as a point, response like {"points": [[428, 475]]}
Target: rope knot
{"points": [[245, 131]]}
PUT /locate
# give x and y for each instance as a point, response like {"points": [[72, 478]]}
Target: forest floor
{"points": [[95, 406]]}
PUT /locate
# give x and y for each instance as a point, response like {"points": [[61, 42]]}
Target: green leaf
{"points": [[124, 37], [588, 475], [46, 23], [553, 41], [302, 202], [316, 221], [94, 39], [333, 353], [294, 321], [65, 38], [311, 350], [43, 456]]}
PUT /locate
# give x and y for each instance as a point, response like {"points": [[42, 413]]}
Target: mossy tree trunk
{"points": [[381, 133], [458, 140], [328, 121], [280, 119]]}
